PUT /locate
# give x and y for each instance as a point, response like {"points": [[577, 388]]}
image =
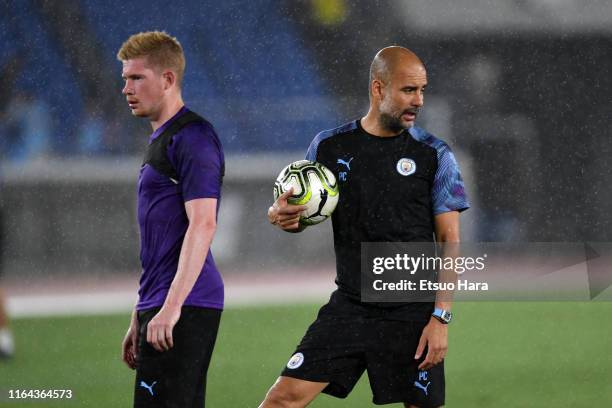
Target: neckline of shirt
{"points": [[163, 127], [376, 137]]}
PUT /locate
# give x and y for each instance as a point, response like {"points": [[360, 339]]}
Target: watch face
{"points": [[442, 315]]}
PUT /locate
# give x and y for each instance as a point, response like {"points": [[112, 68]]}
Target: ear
{"points": [[169, 79], [377, 89]]}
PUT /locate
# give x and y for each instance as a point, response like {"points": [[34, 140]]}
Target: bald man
{"points": [[398, 183]]}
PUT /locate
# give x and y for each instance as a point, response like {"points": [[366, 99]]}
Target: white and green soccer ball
{"points": [[314, 186]]}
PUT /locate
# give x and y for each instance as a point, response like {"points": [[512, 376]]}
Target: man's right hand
{"points": [[284, 215], [130, 345]]}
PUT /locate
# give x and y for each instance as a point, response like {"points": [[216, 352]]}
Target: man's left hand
{"points": [[159, 329], [435, 337]]}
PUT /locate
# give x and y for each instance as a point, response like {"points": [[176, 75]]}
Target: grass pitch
{"points": [[501, 354]]}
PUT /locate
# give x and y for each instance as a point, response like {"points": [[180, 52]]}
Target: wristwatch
{"points": [[444, 316]]}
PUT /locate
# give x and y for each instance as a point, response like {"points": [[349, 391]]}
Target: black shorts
{"points": [[338, 347], [177, 377]]}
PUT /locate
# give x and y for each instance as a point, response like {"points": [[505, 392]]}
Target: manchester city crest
{"points": [[406, 167], [295, 361]]}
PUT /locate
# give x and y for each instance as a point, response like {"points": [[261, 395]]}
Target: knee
{"points": [[283, 397]]}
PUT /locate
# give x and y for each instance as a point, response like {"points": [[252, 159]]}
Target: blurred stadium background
{"points": [[520, 90]]}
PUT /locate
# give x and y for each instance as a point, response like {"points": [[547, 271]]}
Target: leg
{"points": [[176, 378], [4, 321], [393, 371], [199, 401], [329, 359], [3, 315], [7, 344], [290, 392]]}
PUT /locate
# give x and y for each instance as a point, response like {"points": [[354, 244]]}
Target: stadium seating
{"points": [[247, 70], [45, 74]]}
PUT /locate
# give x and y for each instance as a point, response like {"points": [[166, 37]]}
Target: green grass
{"points": [[500, 355]]}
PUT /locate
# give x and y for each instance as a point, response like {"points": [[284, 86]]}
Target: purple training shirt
{"points": [[196, 154]]}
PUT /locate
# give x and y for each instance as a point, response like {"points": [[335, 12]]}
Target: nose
{"points": [[127, 89], [417, 101]]}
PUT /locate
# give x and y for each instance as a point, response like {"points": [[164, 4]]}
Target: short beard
{"points": [[390, 123]]}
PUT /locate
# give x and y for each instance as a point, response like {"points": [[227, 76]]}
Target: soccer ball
{"points": [[314, 186]]}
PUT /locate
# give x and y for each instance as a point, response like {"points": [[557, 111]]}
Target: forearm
{"points": [[444, 298], [196, 244], [447, 236]]}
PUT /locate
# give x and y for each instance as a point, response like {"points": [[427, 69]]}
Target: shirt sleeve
{"points": [[448, 193], [199, 162], [311, 154]]}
